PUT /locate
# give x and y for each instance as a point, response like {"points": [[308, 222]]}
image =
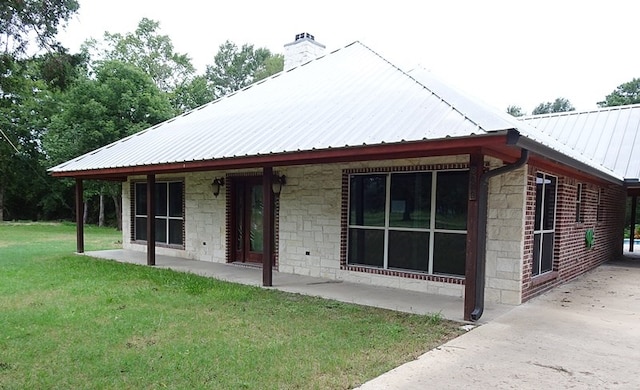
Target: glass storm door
{"points": [[248, 220]]}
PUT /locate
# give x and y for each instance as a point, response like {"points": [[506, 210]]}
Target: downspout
{"points": [[481, 256]]}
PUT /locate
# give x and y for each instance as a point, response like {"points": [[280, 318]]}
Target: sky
{"points": [[505, 52]]}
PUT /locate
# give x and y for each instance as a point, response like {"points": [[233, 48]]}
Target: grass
{"points": [[71, 321]]}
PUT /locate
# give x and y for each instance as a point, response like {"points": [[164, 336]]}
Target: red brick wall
{"points": [[571, 255]]}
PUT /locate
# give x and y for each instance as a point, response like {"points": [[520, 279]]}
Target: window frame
{"points": [[579, 217], [599, 205], [135, 216], [542, 231], [432, 230]]}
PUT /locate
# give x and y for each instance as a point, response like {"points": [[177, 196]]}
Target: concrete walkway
{"points": [[582, 335], [384, 297]]}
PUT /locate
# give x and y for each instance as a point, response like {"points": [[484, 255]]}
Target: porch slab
{"points": [[384, 297]]}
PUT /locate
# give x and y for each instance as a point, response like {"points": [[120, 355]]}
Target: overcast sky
{"points": [[520, 52]]}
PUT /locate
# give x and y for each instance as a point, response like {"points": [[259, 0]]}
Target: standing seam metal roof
{"points": [[608, 136], [351, 97], [348, 98]]}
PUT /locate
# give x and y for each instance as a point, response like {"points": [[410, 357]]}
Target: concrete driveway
{"points": [[583, 335]]}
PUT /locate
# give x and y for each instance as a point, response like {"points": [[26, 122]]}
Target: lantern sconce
{"points": [[216, 184], [278, 182]]}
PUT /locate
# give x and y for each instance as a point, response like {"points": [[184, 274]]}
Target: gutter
{"points": [[526, 146], [481, 255], [514, 139]]}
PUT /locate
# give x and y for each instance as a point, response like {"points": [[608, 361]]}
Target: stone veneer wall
{"points": [[310, 226], [505, 235], [205, 229]]}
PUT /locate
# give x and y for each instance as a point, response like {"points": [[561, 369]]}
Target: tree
{"points": [[271, 66], [515, 111], [151, 52], [626, 93], [23, 97], [235, 68], [558, 105], [22, 20], [121, 100], [193, 94]]}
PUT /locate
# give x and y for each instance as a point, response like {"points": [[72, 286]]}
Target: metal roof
{"points": [[351, 97], [607, 136], [544, 144]]}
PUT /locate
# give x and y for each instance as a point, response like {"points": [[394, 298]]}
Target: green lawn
{"points": [[69, 321]]}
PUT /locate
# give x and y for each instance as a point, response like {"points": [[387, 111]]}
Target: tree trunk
{"points": [[1, 204], [117, 202], [86, 211], [101, 213]]}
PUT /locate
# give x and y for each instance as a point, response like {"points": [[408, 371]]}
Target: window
{"points": [[413, 221], [579, 217], [599, 207], [545, 222], [169, 218]]}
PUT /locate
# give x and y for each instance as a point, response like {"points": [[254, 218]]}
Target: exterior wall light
{"points": [[216, 184], [278, 182]]}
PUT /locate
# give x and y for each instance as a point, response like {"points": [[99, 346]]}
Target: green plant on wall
{"points": [[589, 238]]}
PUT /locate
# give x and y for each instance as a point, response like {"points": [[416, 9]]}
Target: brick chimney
{"points": [[302, 50]]}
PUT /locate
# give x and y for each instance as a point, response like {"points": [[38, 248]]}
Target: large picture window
{"points": [[169, 217], [545, 223], [414, 221]]}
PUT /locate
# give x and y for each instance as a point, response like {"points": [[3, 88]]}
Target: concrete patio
{"points": [[383, 297]]}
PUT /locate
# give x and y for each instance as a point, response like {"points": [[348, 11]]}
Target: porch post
{"points": [[634, 203], [267, 226], [79, 215], [151, 220], [476, 164]]}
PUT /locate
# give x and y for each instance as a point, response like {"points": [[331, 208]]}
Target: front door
{"points": [[247, 219]]}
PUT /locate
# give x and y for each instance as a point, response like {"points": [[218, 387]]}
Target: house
{"points": [[349, 168]]}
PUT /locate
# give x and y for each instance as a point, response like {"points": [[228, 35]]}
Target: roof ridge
{"points": [[578, 112], [421, 84]]}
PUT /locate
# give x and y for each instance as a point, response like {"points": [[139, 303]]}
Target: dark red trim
{"points": [[79, 216], [442, 147], [476, 168], [151, 220], [632, 227], [267, 227]]}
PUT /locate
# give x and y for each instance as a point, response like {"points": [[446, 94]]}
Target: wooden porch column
{"points": [[151, 220], [634, 204], [267, 226], [79, 215], [476, 165]]}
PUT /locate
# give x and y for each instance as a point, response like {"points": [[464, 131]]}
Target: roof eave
{"points": [[413, 149], [516, 139]]}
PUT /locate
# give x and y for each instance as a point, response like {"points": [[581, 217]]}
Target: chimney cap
{"points": [[303, 36]]}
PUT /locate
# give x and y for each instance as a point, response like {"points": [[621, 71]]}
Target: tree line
{"points": [[57, 105], [625, 93]]}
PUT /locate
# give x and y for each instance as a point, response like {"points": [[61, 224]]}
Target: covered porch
{"points": [[367, 295]]}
